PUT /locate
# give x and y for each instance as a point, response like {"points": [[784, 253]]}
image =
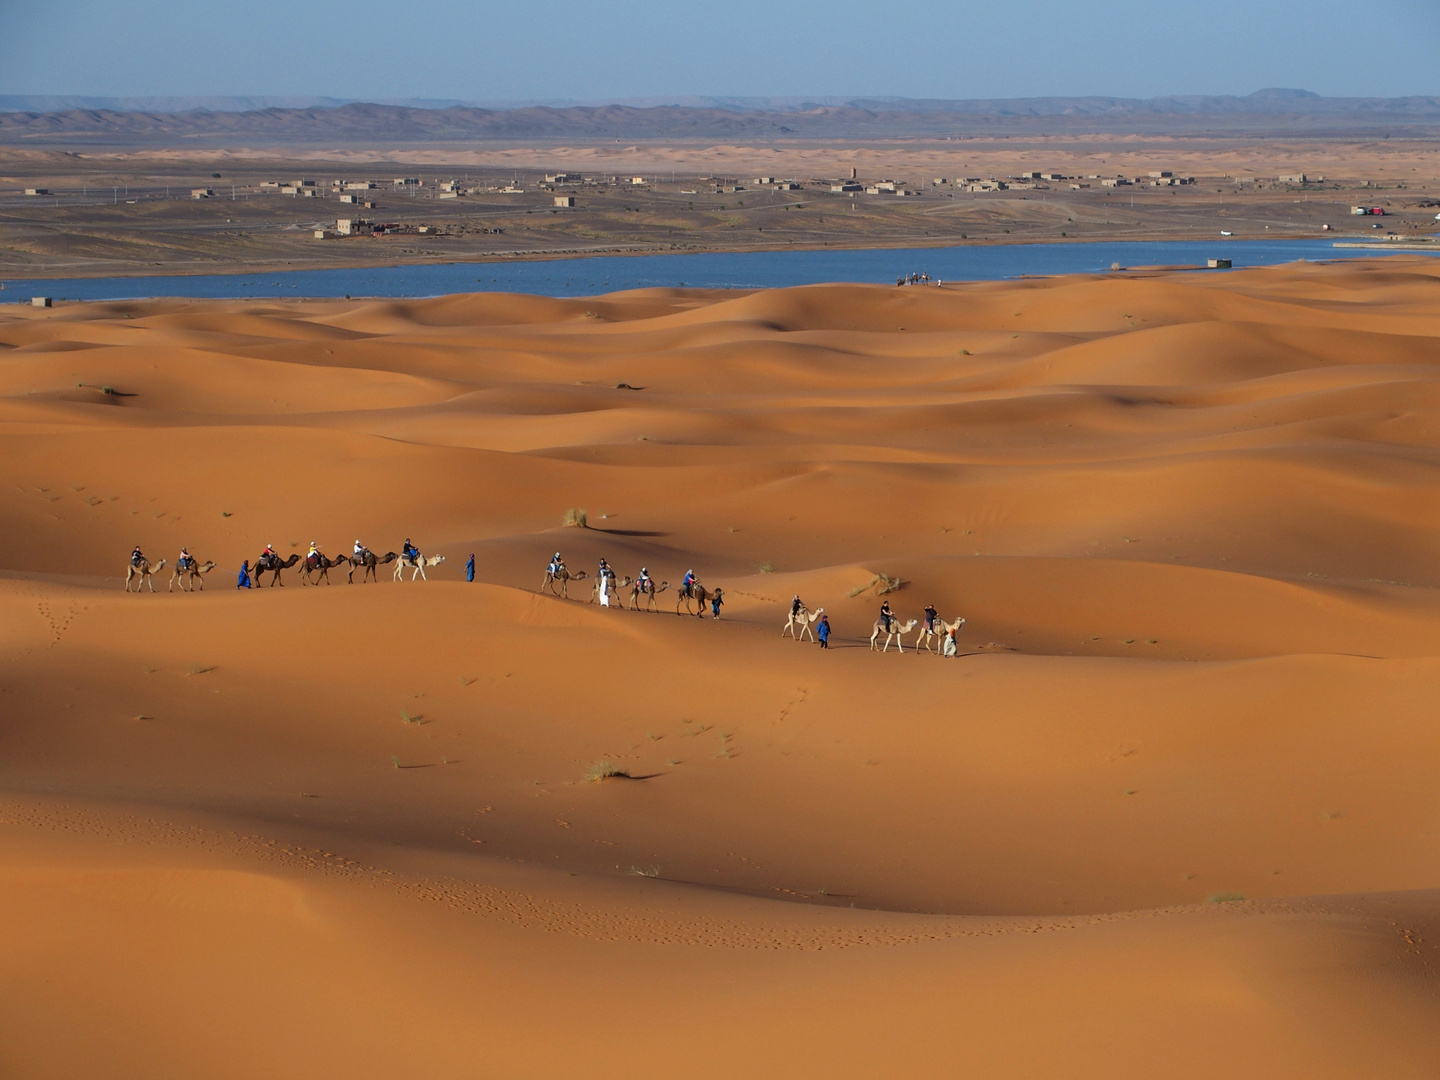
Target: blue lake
{"points": [[743, 270]]}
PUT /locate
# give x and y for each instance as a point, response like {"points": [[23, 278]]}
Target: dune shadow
{"points": [[628, 532]]}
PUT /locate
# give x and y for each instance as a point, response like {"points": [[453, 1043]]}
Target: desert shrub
{"points": [[575, 518], [603, 770]]}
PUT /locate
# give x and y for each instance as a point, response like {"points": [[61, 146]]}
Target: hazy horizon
{"points": [[574, 53]]}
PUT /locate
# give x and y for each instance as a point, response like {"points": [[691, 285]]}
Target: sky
{"points": [[588, 50]]}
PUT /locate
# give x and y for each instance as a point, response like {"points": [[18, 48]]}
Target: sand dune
{"points": [[1170, 813]]}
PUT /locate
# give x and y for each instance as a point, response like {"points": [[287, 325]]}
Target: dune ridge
{"points": [[1171, 811]]}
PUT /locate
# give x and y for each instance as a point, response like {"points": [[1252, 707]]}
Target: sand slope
{"points": [[1172, 813]]}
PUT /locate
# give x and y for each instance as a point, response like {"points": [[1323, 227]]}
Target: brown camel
{"points": [[320, 568], [368, 561], [804, 619], [612, 590], [418, 565], [897, 629], [274, 564], [563, 577], [938, 634], [699, 594], [193, 573], [144, 572], [650, 590]]}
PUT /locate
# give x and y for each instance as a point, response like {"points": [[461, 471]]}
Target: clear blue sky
{"points": [[574, 49]]}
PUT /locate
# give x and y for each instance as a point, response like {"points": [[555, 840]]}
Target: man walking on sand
{"points": [[470, 567], [822, 631], [243, 581]]}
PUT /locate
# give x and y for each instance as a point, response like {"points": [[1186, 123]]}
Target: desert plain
{"points": [[1171, 812]]}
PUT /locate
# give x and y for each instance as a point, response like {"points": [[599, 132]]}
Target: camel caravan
{"points": [[936, 635], [315, 567]]}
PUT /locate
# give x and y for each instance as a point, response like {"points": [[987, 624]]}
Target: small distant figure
{"points": [[886, 615], [184, 562], [688, 585], [795, 606], [930, 616], [470, 567], [243, 581], [822, 631], [900, 280], [715, 602]]}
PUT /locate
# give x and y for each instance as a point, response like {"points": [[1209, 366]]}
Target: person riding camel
{"points": [[411, 551], [795, 606], [313, 556], [267, 556], [556, 564], [886, 615], [137, 557], [184, 562], [643, 584], [360, 551], [688, 584], [930, 616]]}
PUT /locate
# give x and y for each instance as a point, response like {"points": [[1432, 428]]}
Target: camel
{"points": [[562, 575], [418, 565], [321, 569], [896, 631], [612, 590], [941, 629], [650, 590], [143, 572], [369, 561], [804, 618], [194, 573], [699, 594], [274, 564]]}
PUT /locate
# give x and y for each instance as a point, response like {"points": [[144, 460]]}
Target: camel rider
{"points": [[886, 615], [411, 551], [360, 551], [184, 562], [603, 572], [313, 556], [689, 582], [643, 583], [556, 564], [137, 557], [796, 606], [930, 616], [268, 555]]}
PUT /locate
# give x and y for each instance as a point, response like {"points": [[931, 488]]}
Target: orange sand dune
{"points": [[1172, 810]]}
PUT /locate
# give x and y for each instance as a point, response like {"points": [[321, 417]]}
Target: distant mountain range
{"points": [[288, 121]]}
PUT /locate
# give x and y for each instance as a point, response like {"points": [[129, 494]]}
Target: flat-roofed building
{"points": [[564, 200]]}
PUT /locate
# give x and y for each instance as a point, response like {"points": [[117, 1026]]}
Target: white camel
{"points": [[896, 632], [941, 630], [418, 565], [804, 619]]}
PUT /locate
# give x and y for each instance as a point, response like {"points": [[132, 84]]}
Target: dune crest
{"points": [[1170, 810]]}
